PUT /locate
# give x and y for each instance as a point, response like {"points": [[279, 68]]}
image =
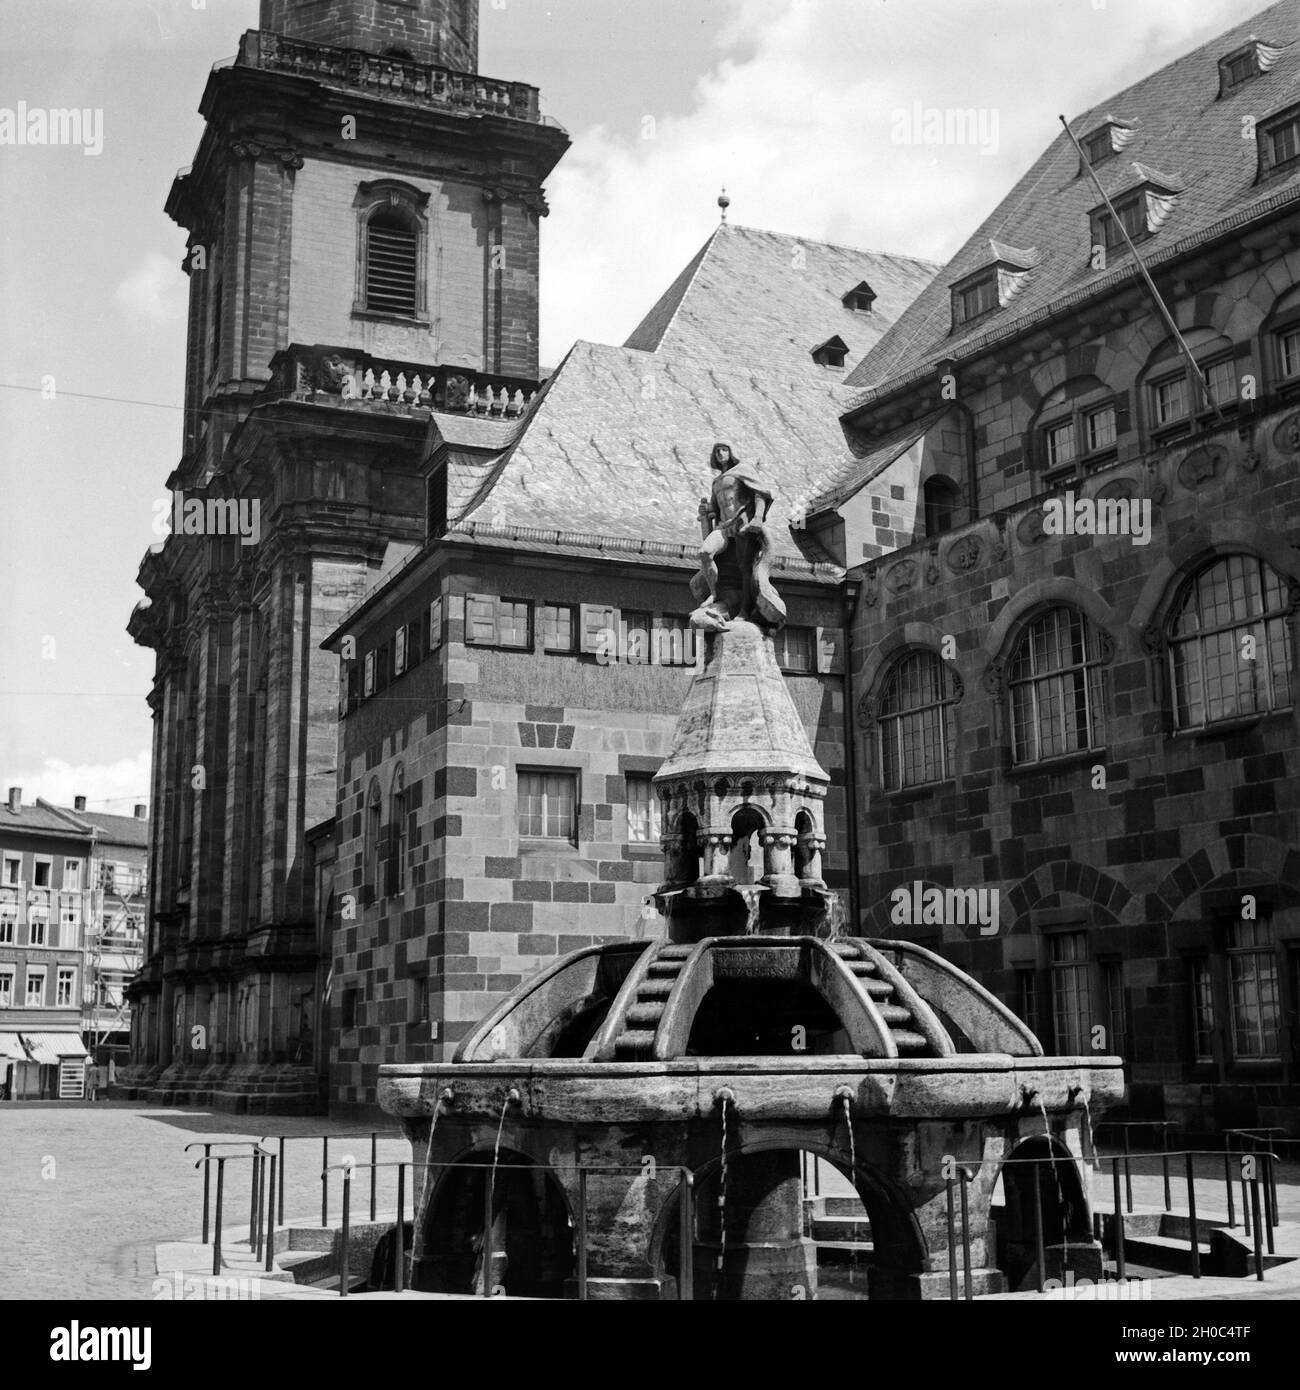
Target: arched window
{"points": [[942, 498], [398, 830], [1229, 644], [1057, 694], [374, 821], [392, 242], [914, 723]]}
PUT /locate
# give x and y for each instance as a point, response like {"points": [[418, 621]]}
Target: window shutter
{"points": [[1123, 415], [369, 687], [391, 254], [399, 651], [830, 651], [599, 628], [435, 625]]}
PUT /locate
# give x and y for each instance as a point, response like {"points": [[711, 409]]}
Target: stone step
{"points": [[665, 968], [1164, 1252], [675, 951], [907, 1041], [862, 967], [635, 1040], [852, 1230], [894, 1013], [878, 989], [645, 1015], [844, 948], [655, 989]]}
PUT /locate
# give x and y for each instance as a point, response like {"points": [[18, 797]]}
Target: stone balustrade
{"points": [[389, 75]]}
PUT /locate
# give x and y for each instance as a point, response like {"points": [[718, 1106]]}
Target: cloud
{"points": [[153, 291], [113, 787], [802, 131]]}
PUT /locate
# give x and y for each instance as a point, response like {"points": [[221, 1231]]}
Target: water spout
{"points": [[724, 1096], [445, 1096], [512, 1098], [844, 1094]]}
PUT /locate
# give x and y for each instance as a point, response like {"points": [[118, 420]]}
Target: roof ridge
{"points": [[834, 245], [684, 278]]}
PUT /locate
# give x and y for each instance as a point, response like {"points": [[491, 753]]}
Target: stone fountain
{"points": [[753, 1029]]}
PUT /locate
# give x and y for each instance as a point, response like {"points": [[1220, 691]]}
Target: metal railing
{"points": [[374, 1135], [686, 1218], [261, 1204]]}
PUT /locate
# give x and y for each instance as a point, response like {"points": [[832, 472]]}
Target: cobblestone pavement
{"points": [[88, 1190]]}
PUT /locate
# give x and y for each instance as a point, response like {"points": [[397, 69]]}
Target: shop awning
{"points": [[49, 1049], [11, 1046]]}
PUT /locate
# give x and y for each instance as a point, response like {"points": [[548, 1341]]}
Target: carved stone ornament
{"points": [[995, 679], [1287, 435], [901, 577], [958, 685], [1153, 639], [328, 372], [964, 554], [245, 149], [1250, 460], [871, 593], [1158, 494], [1121, 488], [1029, 529], [866, 713], [932, 565], [1292, 593], [1105, 645], [999, 551], [1202, 465], [457, 392]]}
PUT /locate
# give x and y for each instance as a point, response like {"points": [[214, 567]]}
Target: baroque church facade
{"points": [[403, 744]]}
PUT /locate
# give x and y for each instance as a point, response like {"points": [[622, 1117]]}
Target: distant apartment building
{"points": [[46, 903], [72, 909]]}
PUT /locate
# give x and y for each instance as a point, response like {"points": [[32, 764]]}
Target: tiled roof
{"points": [[41, 819], [117, 830], [764, 299], [1180, 128], [618, 446]]}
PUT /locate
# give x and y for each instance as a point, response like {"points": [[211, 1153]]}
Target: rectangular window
{"points": [[63, 988], [420, 1002], [548, 803], [1071, 1006], [392, 258], [636, 637], [674, 641], [558, 628], [13, 869], [1027, 998], [498, 622], [1252, 968], [8, 917], [1132, 216], [72, 875], [642, 810], [69, 919], [1221, 382], [1170, 400], [1202, 1010], [35, 997], [36, 927], [795, 648], [348, 1009], [399, 651], [383, 666], [1288, 344], [1284, 143], [43, 872], [1098, 147], [6, 989], [971, 301], [1099, 428], [435, 625], [1060, 444], [1239, 69]]}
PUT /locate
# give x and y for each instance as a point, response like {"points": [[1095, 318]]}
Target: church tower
{"points": [[362, 217]]}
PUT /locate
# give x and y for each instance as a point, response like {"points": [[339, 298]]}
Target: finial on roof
{"points": [[724, 203]]}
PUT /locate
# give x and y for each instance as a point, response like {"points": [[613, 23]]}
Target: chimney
{"points": [[78, 803], [141, 811], [15, 799]]}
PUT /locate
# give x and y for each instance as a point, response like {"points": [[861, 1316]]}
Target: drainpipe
{"points": [[850, 596]]}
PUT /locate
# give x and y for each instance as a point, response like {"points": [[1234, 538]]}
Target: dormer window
{"points": [[1279, 142], [1239, 66], [1140, 211], [831, 353], [975, 298], [994, 286], [1107, 140], [860, 298]]}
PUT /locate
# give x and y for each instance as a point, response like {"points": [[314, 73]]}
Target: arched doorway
{"points": [[784, 1233], [532, 1232], [1062, 1201]]}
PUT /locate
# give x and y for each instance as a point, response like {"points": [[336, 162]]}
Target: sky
{"points": [[793, 105]]}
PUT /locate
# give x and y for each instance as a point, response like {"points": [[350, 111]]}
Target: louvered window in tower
{"points": [[391, 260]]}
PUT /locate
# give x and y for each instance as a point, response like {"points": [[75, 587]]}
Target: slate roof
{"points": [[764, 299], [41, 819], [618, 445], [1180, 128], [858, 472], [117, 830]]}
